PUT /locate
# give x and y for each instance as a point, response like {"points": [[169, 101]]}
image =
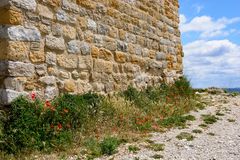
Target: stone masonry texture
{"points": [[54, 46]]}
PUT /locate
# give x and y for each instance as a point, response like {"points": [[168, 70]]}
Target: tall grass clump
{"points": [[33, 124]]}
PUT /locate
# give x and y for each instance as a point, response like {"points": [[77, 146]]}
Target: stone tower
{"points": [[55, 46]]}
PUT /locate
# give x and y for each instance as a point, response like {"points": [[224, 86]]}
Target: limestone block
{"points": [[10, 15], [103, 66], [55, 43], [48, 80], [51, 92], [161, 56], [103, 29], [74, 47], [85, 63], [20, 69], [122, 46], [8, 95], [70, 6], [69, 85], [54, 3], [105, 54], [44, 11], [120, 57], [91, 25], [51, 58], [25, 4], [62, 16], [18, 51], [94, 52], [69, 32], [37, 56], [85, 48], [68, 61], [41, 69], [19, 33], [64, 75], [14, 83]]}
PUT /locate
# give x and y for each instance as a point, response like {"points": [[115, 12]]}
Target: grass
{"points": [[203, 125], [133, 149], [211, 134], [196, 131], [157, 156], [219, 113], [231, 120], [107, 146], [185, 135], [209, 119], [156, 147], [176, 121], [86, 121]]}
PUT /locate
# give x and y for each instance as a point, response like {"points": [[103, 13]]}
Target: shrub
{"points": [[109, 145]]}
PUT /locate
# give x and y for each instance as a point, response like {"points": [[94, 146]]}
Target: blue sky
{"points": [[211, 42]]}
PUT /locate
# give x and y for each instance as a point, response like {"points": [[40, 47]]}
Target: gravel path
{"points": [[219, 141]]}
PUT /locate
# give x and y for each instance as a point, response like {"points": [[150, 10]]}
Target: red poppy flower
{"points": [[47, 103], [33, 96], [59, 126]]}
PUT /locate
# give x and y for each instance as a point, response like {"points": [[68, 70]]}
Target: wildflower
{"points": [[59, 126], [52, 126], [48, 104], [65, 110], [33, 96]]}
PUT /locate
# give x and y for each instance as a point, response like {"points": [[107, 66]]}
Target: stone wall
{"points": [[76, 46]]}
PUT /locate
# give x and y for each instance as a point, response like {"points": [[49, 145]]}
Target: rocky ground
{"points": [[217, 141]]}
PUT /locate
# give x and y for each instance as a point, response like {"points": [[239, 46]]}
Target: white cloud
{"points": [[207, 26], [212, 63]]}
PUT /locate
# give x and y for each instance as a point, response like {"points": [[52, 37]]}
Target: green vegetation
{"points": [[157, 156], [133, 149], [87, 120], [197, 131], [219, 113], [185, 135], [231, 120], [203, 125], [176, 121], [211, 134], [209, 119], [156, 147]]}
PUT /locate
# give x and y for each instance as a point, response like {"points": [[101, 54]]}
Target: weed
{"points": [[157, 156], [109, 145], [211, 134], [219, 113], [133, 149], [231, 120], [197, 131], [203, 125], [209, 119], [185, 135], [156, 147], [93, 147], [176, 121], [149, 141]]}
